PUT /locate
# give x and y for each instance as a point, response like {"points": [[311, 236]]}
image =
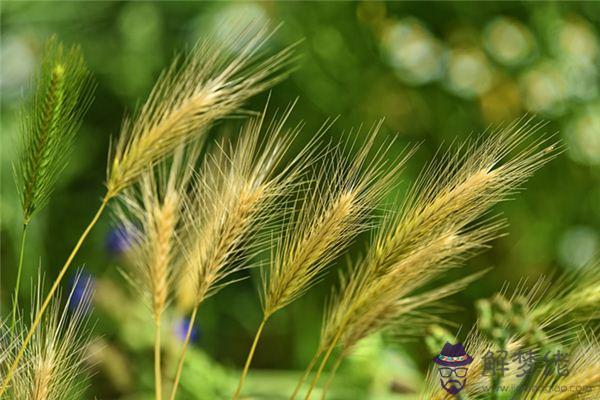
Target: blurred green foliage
{"points": [[437, 72]]}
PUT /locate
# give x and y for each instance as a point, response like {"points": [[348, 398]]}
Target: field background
{"points": [[437, 72]]}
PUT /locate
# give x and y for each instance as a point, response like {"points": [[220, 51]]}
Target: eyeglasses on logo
{"points": [[453, 365]]}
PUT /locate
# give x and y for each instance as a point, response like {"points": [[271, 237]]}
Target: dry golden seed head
{"points": [[42, 380], [234, 195], [229, 230], [166, 221], [332, 214], [571, 297], [151, 211], [209, 84], [305, 259]]}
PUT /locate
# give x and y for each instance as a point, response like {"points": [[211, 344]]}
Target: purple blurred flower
{"points": [[181, 327], [81, 288], [118, 240]]}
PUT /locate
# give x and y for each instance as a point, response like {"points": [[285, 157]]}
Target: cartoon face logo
{"points": [[453, 365]]}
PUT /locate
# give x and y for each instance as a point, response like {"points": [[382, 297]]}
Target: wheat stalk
{"points": [[332, 214], [436, 228], [62, 94], [151, 214], [210, 83], [234, 193], [185, 101]]}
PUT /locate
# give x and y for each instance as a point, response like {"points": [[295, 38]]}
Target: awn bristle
{"points": [[212, 81], [438, 226]]}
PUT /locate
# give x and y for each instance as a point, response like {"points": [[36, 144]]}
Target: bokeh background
{"points": [[437, 72]]}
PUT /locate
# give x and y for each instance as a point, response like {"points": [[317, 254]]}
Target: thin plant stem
{"points": [[496, 378], [525, 382], [157, 365], [334, 369], [323, 363], [38, 318], [249, 358], [18, 283], [186, 342], [308, 370]]}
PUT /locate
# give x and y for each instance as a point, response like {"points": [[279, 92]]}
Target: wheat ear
{"points": [[574, 294], [61, 96], [184, 102], [234, 194], [151, 214], [332, 214], [54, 363], [207, 85], [436, 228]]}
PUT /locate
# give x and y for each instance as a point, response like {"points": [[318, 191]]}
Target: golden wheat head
{"points": [[582, 378], [333, 212], [151, 213], [233, 196], [210, 83]]}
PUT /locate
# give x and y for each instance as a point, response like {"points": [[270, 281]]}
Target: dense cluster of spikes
{"points": [[196, 222]]}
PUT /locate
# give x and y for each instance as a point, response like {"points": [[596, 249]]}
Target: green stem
{"points": [[249, 358], [18, 283], [524, 382], [334, 369], [308, 370], [323, 363], [157, 363], [38, 318], [496, 378], [186, 342]]}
